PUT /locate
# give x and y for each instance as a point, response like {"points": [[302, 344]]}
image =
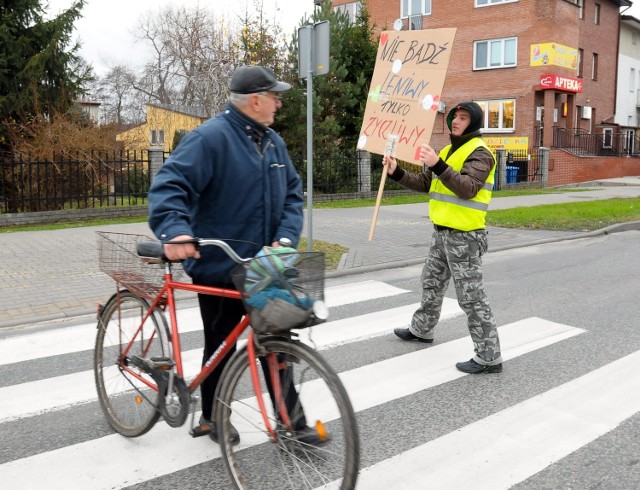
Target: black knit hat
{"points": [[476, 116], [252, 79]]}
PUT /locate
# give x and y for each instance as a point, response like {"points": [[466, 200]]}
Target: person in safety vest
{"points": [[459, 181]]}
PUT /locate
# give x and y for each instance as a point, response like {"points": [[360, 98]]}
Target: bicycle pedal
{"points": [[161, 363], [152, 364]]}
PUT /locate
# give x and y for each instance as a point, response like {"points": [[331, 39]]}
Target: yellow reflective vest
{"points": [[446, 208]]}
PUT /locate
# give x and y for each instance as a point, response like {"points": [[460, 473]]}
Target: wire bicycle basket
{"points": [[118, 257], [282, 289]]}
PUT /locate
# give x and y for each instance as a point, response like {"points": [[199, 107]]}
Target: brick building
{"points": [[545, 71]]}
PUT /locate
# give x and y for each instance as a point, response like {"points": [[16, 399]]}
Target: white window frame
{"points": [[485, 120], [489, 3], [494, 43], [404, 6], [629, 140], [632, 80], [352, 9], [607, 137], [157, 137], [596, 15]]}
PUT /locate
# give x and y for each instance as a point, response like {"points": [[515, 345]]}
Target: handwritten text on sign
{"points": [[407, 81]]}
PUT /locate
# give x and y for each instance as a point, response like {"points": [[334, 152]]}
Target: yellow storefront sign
{"points": [[511, 143], [545, 54]]}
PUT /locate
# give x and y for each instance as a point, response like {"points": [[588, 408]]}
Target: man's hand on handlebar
{"points": [[181, 251]]}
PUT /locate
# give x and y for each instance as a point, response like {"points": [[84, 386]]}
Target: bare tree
{"points": [[193, 58], [116, 92], [156, 79]]}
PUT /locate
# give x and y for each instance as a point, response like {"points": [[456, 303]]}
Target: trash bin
{"points": [[512, 173]]}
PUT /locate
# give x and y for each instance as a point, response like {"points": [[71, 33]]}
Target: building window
{"points": [[580, 58], [629, 140], [596, 15], [594, 67], [352, 9], [157, 137], [415, 7], [496, 53], [485, 3], [581, 9], [499, 115], [632, 80], [607, 137], [634, 37]]}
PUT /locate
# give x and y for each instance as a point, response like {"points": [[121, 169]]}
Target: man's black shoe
{"points": [[472, 367], [405, 334], [310, 436], [235, 436]]}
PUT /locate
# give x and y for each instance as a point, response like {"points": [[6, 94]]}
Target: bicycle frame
{"points": [[166, 298]]}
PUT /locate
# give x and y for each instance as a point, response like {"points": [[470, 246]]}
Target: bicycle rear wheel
{"points": [[319, 445], [128, 395]]}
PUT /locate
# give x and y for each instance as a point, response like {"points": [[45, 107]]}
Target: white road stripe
{"points": [[569, 415], [32, 398], [84, 466], [82, 337]]}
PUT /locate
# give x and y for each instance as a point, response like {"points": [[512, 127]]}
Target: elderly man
{"points": [[230, 179]]}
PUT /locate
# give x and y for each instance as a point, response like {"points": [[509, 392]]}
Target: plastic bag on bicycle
{"points": [[280, 287]]}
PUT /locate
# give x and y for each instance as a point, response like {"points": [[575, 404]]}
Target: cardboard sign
{"points": [[405, 91]]}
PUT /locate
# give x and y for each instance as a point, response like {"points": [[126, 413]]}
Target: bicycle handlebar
{"points": [[204, 242], [154, 249]]}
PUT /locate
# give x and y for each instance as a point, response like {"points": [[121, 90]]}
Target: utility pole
{"points": [[313, 55]]}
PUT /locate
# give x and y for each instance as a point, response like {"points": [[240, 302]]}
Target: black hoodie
{"points": [[472, 131]]}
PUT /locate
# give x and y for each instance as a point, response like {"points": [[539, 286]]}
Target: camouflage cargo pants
{"points": [[459, 255]]}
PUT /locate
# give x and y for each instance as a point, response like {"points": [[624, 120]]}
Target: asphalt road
{"points": [[565, 413]]}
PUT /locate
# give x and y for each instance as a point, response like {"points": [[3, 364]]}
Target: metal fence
{"points": [[345, 177], [123, 179], [584, 143], [73, 182], [521, 167]]}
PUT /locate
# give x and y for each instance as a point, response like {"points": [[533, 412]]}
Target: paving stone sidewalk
{"points": [[54, 275]]}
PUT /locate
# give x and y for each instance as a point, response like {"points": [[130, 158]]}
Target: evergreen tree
{"points": [[340, 97], [41, 73]]}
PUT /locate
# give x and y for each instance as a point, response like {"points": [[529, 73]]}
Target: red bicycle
{"points": [[275, 390]]}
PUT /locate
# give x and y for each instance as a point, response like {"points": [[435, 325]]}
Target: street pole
{"points": [[310, 142]]}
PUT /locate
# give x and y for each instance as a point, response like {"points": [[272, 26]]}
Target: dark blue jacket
{"points": [[224, 181]]}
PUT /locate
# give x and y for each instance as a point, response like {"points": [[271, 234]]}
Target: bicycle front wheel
{"points": [[128, 396], [314, 439]]}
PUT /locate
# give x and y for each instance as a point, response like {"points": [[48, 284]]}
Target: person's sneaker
{"points": [[472, 367], [235, 436], [405, 334]]}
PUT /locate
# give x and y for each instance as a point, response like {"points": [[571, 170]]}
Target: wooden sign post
{"points": [[405, 94], [391, 150]]}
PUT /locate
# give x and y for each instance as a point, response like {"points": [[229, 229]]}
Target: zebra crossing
{"points": [[521, 431]]}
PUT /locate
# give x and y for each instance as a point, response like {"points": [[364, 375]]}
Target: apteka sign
{"points": [[567, 84], [405, 91]]}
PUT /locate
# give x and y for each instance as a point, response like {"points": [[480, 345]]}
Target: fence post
{"points": [[156, 159], [501, 157], [364, 171], [543, 155]]}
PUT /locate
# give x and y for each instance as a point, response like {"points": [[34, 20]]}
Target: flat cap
{"points": [[251, 79]]}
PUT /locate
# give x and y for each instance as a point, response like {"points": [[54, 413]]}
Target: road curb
{"points": [[619, 227], [87, 312]]}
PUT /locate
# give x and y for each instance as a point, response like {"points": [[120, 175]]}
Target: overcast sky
{"points": [[105, 29], [106, 26]]}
